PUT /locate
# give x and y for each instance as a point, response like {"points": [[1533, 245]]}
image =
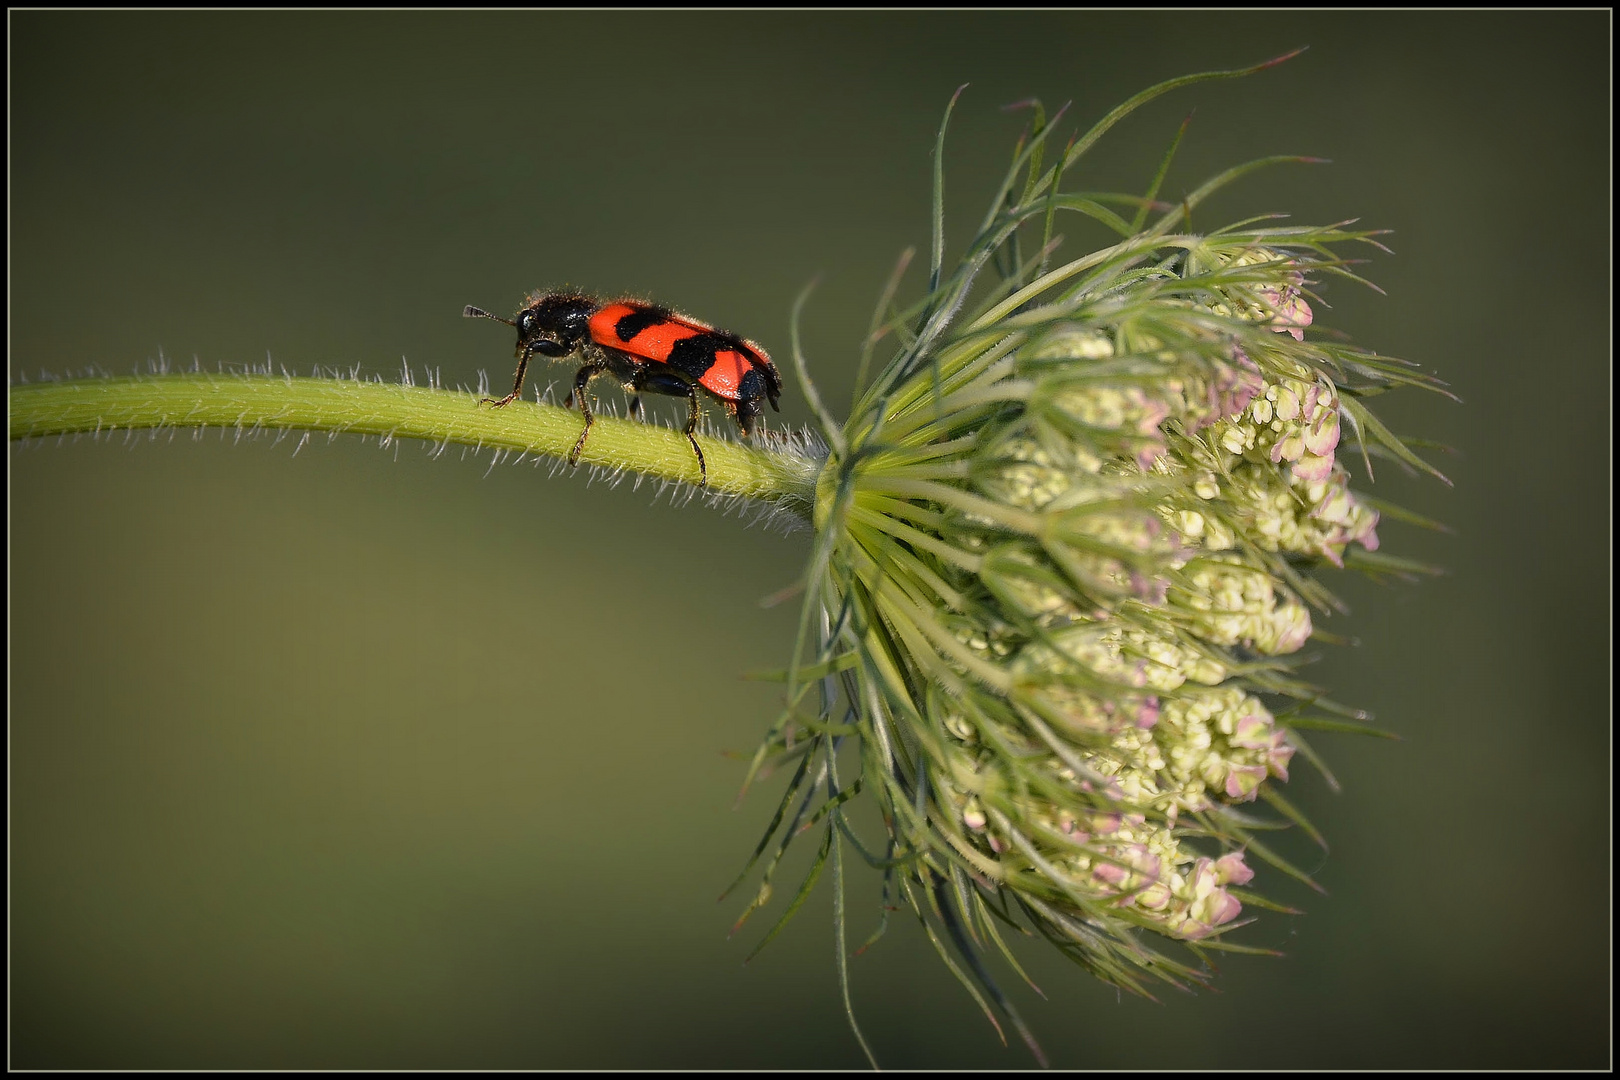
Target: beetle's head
{"points": [[552, 325]]}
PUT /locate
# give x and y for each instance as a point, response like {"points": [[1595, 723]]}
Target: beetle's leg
{"points": [[658, 379], [635, 405], [586, 373], [691, 426], [517, 383]]}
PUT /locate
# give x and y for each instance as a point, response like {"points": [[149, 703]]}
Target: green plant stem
{"points": [[252, 402]]}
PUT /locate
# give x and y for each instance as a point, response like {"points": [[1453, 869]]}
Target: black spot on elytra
{"points": [[638, 320], [695, 355]]}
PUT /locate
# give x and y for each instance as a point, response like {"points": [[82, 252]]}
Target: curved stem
{"points": [[784, 477]]}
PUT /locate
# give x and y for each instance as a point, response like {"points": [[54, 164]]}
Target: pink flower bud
{"points": [[1243, 781], [1311, 468], [1279, 757], [1230, 869], [1147, 713], [1253, 731], [1109, 873], [1292, 313]]}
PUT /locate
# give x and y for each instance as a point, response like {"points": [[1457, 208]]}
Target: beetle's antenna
{"points": [[470, 312]]}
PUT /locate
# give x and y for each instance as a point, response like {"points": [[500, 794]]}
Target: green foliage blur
{"points": [[349, 758]]}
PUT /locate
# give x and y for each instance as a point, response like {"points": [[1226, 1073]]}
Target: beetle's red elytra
{"points": [[647, 348]]}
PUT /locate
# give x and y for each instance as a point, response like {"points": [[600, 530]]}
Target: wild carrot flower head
{"points": [[1064, 553]]}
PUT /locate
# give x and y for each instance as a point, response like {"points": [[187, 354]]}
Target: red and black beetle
{"points": [[649, 349]]}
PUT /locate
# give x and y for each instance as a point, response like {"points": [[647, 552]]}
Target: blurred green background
{"points": [[358, 758]]}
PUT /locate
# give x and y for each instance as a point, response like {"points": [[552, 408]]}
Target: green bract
{"points": [[1064, 546]]}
